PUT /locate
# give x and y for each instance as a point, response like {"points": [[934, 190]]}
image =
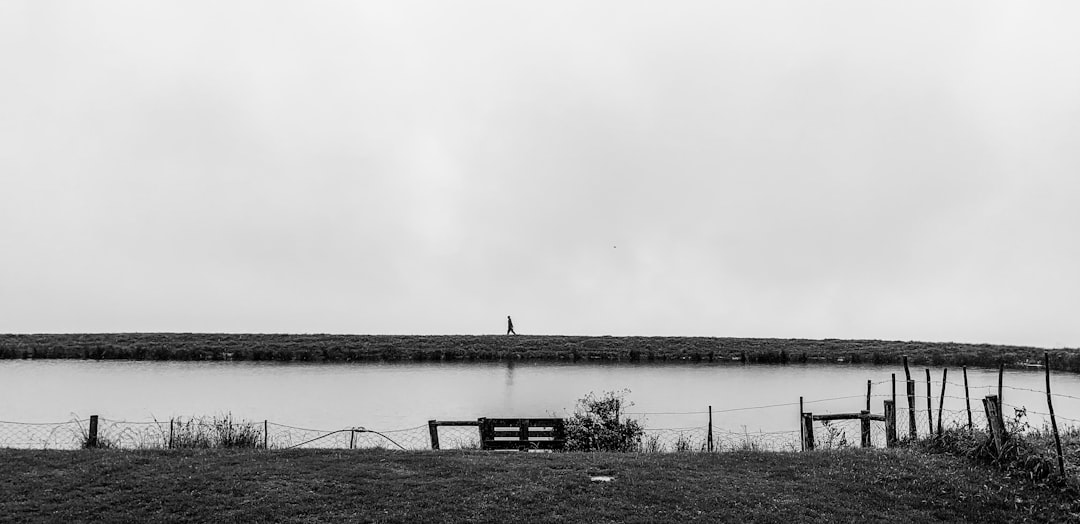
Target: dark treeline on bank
{"points": [[350, 348]]}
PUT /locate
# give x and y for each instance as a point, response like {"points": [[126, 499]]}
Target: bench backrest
{"points": [[522, 433]]}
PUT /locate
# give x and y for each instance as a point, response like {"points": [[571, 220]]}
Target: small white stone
{"points": [[602, 478]]}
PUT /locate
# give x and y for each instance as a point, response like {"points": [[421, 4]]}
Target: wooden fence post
{"points": [[171, 433], [1053, 420], [967, 398], [999, 418], [890, 423], [995, 422], [929, 404], [709, 445], [864, 422], [523, 428], [894, 389], [808, 431], [434, 431], [941, 399], [869, 385], [92, 436], [802, 433], [912, 432], [266, 434], [1001, 379]]}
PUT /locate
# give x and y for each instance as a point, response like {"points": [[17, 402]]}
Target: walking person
{"points": [[509, 326]]}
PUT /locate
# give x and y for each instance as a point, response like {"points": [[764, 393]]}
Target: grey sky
{"points": [[846, 169]]}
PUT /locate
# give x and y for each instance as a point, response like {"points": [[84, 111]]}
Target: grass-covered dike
{"points": [[474, 486], [351, 348]]}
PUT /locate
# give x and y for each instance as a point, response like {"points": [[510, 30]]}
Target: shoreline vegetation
{"points": [[359, 348], [352, 348]]}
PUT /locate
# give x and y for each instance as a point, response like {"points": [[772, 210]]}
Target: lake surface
{"points": [[745, 399]]}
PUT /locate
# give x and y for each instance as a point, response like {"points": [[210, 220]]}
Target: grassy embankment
{"points": [[473, 486], [346, 348]]}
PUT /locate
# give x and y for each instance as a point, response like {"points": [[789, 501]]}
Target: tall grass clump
{"points": [[597, 425], [217, 432], [1027, 452], [100, 441]]}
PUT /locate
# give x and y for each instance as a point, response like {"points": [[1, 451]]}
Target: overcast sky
{"points": [[841, 169]]}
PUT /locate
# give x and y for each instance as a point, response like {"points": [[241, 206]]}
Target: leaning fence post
{"points": [[912, 432], [941, 399], [92, 437], [995, 422], [1053, 420], [890, 423], [433, 429], [864, 421], [999, 418], [808, 431]]}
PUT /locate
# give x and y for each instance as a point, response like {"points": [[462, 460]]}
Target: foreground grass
{"points": [[345, 348], [386, 486]]}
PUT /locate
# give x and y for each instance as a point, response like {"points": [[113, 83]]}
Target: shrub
{"points": [[596, 425]]}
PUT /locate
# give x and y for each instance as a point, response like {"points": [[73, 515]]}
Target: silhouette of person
{"points": [[509, 326]]}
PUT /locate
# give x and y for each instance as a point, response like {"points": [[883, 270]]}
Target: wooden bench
{"points": [[522, 434], [510, 433]]}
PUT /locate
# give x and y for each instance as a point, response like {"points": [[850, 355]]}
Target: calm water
{"points": [[386, 396]]}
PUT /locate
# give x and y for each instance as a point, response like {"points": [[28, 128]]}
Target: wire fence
{"points": [[694, 430]]}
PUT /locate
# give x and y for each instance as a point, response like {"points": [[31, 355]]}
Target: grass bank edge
{"points": [[220, 484]]}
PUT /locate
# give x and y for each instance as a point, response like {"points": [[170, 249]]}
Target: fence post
{"points": [[912, 432], [1001, 378], [941, 399], [994, 422], [433, 429], [523, 431], [864, 420], [967, 398], [266, 434], [808, 431], [1053, 420], [929, 404], [868, 386], [802, 433], [92, 437], [999, 418], [171, 433], [710, 443], [890, 423], [352, 438]]}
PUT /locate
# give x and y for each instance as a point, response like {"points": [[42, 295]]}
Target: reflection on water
{"points": [[401, 395]]}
